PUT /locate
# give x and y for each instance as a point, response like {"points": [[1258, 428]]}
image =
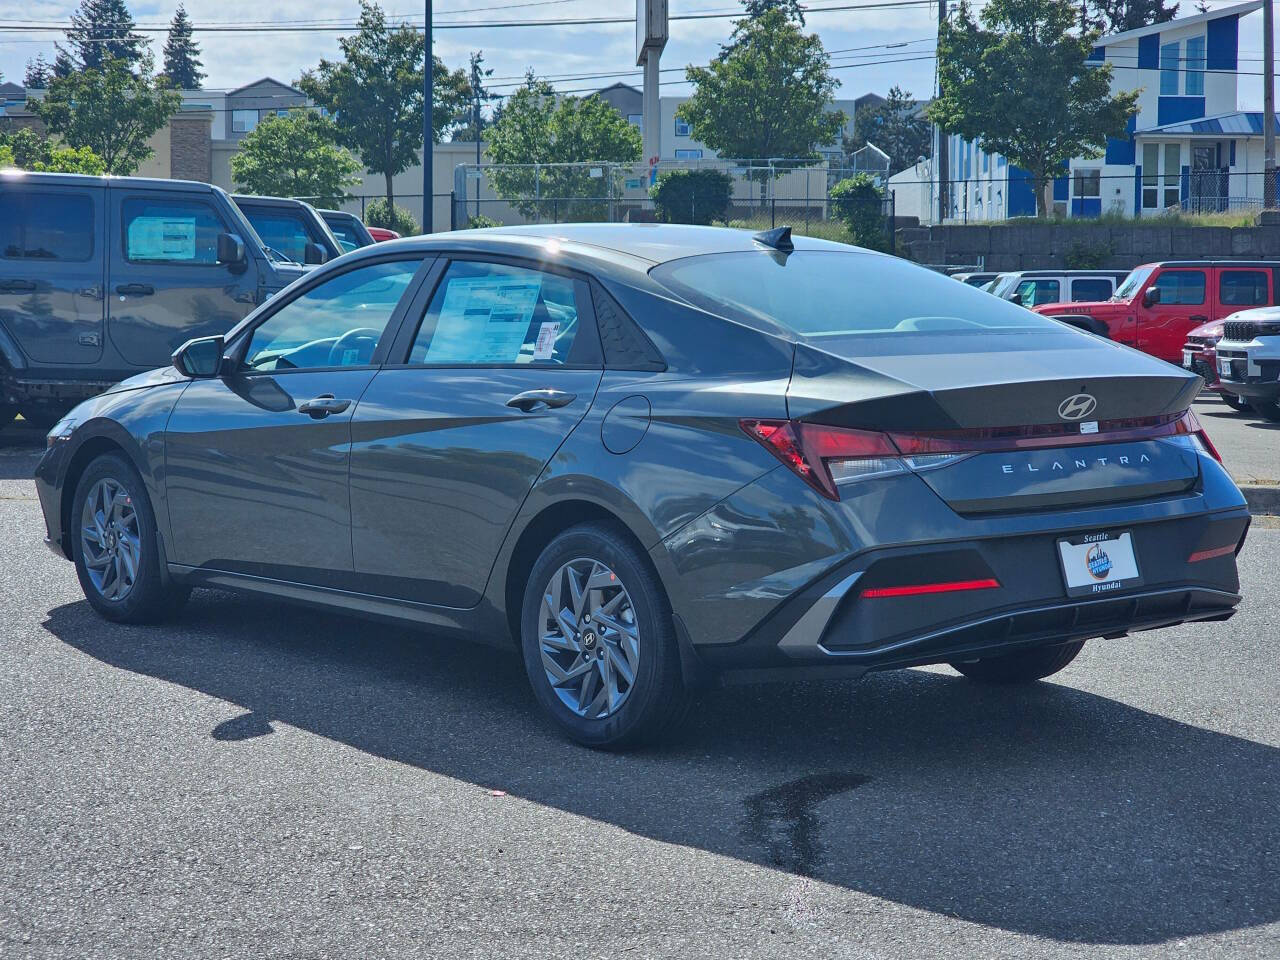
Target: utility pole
{"points": [[940, 144], [428, 135], [1268, 106], [651, 37]]}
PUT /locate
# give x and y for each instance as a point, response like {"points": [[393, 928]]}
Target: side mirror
{"points": [[230, 249], [200, 359], [1151, 296], [314, 253], [1015, 297]]}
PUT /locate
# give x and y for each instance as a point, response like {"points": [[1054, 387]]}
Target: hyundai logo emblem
{"points": [[1077, 407]]}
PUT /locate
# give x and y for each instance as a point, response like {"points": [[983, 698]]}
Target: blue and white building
{"points": [[1188, 147]]}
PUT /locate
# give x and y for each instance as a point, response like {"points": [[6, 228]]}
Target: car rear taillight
{"points": [[824, 456]]}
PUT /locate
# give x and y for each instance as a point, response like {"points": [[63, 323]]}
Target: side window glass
{"points": [[1181, 287], [1243, 288], [283, 232], [1047, 291], [1089, 289], [488, 314], [335, 324], [157, 230], [35, 225]]}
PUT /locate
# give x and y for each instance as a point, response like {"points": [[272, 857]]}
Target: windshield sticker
{"points": [[162, 238], [484, 319], [545, 346]]}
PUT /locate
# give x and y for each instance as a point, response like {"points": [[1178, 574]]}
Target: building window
{"points": [[688, 154], [636, 120], [1088, 183], [1172, 174], [1150, 175], [243, 121], [682, 128], [1170, 62], [1195, 67]]}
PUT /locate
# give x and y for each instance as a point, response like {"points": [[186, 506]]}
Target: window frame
{"points": [[245, 110], [688, 127], [412, 320], [158, 197], [1084, 179], [1195, 66], [1169, 75], [1103, 280], [239, 338], [24, 194], [1268, 280], [1204, 290]]}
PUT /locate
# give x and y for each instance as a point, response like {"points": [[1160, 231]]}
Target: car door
{"points": [[497, 363], [257, 459], [165, 283], [1183, 304], [51, 269]]}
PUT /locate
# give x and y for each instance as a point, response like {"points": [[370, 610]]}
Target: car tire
{"points": [[610, 678], [1238, 404], [1024, 666], [115, 544], [1267, 409]]}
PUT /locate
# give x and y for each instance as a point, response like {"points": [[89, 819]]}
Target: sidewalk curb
{"points": [[1261, 498]]}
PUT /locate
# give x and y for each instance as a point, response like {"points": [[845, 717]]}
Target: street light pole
{"points": [[428, 136], [942, 146], [1268, 106]]}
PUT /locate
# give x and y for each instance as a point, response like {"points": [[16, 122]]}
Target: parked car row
{"points": [[101, 278]]}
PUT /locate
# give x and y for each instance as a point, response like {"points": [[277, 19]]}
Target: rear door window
{"points": [[1032, 293], [1243, 288], [1090, 289], [173, 231], [495, 314], [284, 231], [1181, 287], [40, 225]]}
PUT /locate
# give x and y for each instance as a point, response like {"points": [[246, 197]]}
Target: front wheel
{"points": [[1268, 409], [598, 640], [116, 547], [1024, 666]]}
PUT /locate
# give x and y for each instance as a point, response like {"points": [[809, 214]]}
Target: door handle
{"points": [[13, 286], [552, 399], [1197, 318], [93, 293], [323, 405], [135, 289]]}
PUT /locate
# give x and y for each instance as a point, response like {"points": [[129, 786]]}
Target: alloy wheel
{"points": [[589, 639], [110, 539]]}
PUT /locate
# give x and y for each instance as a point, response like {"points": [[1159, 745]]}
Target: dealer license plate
{"points": [[1097, 563], [1186, 359], [1224, 368]]}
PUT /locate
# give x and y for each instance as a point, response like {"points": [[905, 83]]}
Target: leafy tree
{"points": [[765, 95], [1024, 52], [27, 150], [103, 30], [896, 127], [182, 54], [38, 74], [792, 8], [1114, 16], [375, 92], [380, 213], [859, 204], [295, 156], [562, 137], [692, 196], [63, 65], [110, 110]]}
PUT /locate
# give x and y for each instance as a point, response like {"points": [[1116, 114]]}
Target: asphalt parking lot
{"points": [[257, 780], [1249, 444]]}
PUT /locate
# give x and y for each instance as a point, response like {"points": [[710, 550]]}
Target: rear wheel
{"points": [[1238, 404], [1025, 666], [598, 641], [116, 546], [1269, 409]]}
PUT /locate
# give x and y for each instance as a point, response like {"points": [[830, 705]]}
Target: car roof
{"points": [[115, 183], [636, 246], [272, 201]]}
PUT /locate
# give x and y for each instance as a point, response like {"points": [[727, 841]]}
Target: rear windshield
{"points": [[820, 294]]}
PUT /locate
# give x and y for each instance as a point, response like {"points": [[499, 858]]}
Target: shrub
{"points": [[692, 196], [1083, 255], [478, 221], [858, 203], [379, 213]]}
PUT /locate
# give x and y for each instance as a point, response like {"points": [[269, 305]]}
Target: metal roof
{"points": [[1239, 124]]}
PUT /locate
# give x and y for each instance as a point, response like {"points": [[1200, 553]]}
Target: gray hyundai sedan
{"points": [[649, 457]]}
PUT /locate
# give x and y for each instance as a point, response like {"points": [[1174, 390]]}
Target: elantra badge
{"points": [[1077, 406]]}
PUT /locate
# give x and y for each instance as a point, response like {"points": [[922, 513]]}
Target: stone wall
{"points": [[190, 147], [1111, 246]]}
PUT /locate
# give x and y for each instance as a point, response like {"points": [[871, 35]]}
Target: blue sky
{"points": [[864, 63]]}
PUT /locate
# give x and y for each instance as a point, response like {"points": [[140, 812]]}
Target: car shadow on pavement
{"points": [[20, 450], [1042, 810]]}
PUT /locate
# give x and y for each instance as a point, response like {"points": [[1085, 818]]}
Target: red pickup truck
{"points": [[1158, 304]]}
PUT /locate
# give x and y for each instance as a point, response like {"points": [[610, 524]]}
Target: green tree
{"points": [[295, 156], [562, 138], [1115, 16], [375, 92], [182, 54], [110, 110], [103, 30], [379, 213], [1025, 53], [896, 126], [859, 204], [692, 196], [792, 9], [27, 150], [38, 74], [767, 94]]}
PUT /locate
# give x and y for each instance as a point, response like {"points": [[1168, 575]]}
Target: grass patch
{"points": [[1234, 218]]}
